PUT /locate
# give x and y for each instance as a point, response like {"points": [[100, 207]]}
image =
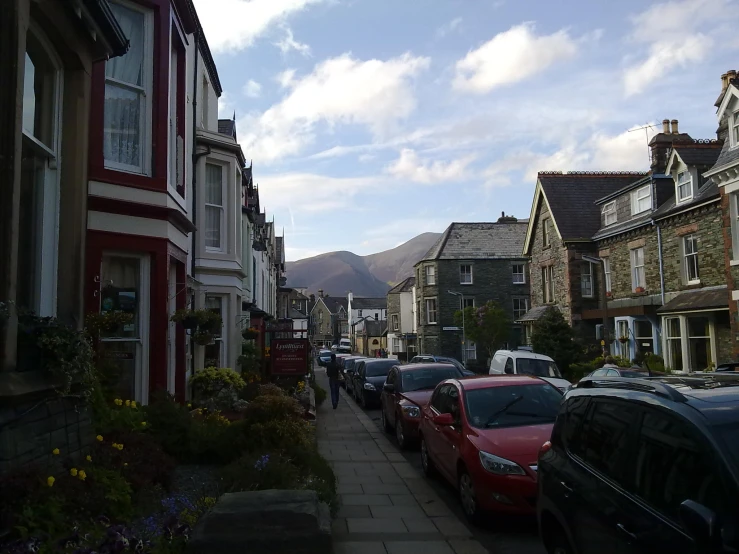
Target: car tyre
{"points": [[400, 434], [385, 425], [468, 498], [557, 543], [427, 464]]}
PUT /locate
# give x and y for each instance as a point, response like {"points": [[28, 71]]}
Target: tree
{"points": [[487, 326], [555, 338]]}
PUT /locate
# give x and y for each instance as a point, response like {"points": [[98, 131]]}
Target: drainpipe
{"points": [[194, 147], [661, 262]]}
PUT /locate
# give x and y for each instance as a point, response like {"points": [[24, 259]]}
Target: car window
{"points": [[440, 400], [360, 369], [605, 438], [428, 377], [454, 403], [540, 368], [391, 377], [574, 421], [599, 373], [509, 365], [379, 368], [613, 373], [512, 406], [673, 465]]}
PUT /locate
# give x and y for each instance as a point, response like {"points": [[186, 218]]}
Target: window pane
{"points": [[128, 68], [606, 442], [212, 227], [120, 292], [573, 433], [698, 327], [122, 126], [214, 184], [29, 236], [39, 93]]}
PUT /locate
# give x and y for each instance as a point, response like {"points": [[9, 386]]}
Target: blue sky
{"points": [[371, 121]]}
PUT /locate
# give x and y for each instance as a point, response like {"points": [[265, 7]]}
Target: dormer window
{"points": [[641, 200], [735, 129], [684, 186], [609, 213]]}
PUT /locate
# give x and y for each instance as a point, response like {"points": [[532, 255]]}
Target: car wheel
{"points": [[385, 425], [557, 543], [468, 498], [427, 463], [400, 434]]}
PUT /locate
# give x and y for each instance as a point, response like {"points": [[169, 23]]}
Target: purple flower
{"points": [[262, 462]]}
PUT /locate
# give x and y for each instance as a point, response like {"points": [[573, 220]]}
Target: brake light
{"points": [[546, 447]]}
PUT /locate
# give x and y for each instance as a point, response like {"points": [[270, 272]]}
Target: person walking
{"points": [[332, 372]]}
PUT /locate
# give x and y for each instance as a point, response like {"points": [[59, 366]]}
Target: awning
{"points": [[535, 314], [698, 300]]}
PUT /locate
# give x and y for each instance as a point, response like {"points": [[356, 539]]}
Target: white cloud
{"points": [[411, 167], [510, 57], [342, 90], [671, 19], [225, 106], [289, 43], [235, 24], [252, 89], [448, 27]]}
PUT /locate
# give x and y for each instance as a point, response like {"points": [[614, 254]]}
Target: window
{"points": [[673, 338], [204, 96], [672, 466], [396, 324], [609, 213], [622, 334], [637, 269], [586, 280], [466, 303], [607, 273], [545, 238], [519, 274], [643, 336], [735, 129], [734, 208], [440, 401], [396, 344], [376, 316], [39, 198], [699, 343], [430, 275], [690, 251], [573, 434], [215, 353], [641, 200], [470, 350], [547, 281], [606, 440], [520, 307], [128, 90], [431, 311], [176, 124], [684, 186], [465, 274], [359, 313], [214, 213]]}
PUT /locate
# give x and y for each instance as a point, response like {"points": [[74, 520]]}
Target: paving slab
{"points": [[375, 525], [365, 500], [374, 547], [418, 547], [467, 547]]}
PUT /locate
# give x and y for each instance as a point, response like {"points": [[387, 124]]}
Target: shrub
{"points": [[254, 472], [553, 336], [142, 459], [213, 441], [170, 423], [217, 386], [578, 370], [276, 435], [271, 390], [272, 408], [320, 393]]}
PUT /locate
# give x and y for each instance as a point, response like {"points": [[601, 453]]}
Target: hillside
{"points": [[336, 273]]}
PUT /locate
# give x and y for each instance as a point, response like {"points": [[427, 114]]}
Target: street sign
{"points": [[451, 328], [289, 356]]}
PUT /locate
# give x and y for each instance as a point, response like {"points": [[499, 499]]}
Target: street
{"points": [[503, 535]]}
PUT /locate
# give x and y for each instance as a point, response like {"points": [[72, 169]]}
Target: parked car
{"points": [[483, 436], [631, 372], [644, 466], [523, 362], [324, 357], [369, 377], [350, 364], [427, 358], [407, 389]]}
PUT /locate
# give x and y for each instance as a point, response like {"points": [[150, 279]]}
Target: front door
{"points": [[124, 289]]}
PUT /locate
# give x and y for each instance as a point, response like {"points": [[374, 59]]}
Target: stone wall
{"points": [[393, 309], [618, 252], [731, 273]]}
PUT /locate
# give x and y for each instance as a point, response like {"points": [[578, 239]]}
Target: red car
{"points": [[484, 435], [407, 389]]}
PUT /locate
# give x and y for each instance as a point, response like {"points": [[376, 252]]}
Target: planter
{"points": [[250, 334], [190, 323], [623, 340], [203, 338], [639, 289]]}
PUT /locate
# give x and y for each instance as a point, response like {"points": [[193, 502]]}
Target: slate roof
{"points": [[699, 153], [623, 226], [701, 299], [635, 184], [480, 241], [404, 286], [709, 191], [333, 303], [227, 127], [728, 155], [571, 198], [535, 314], [375, 328], [369, 303]]}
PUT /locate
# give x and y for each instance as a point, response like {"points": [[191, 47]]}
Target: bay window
{"points": [[215, 352], [690, 342], [643, 336], [214, 208], [735, 129], [734, 212], [623, 338], [128, 93]]}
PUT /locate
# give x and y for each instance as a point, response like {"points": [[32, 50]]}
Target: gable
{"points": [[729, 103], [540, 202]]}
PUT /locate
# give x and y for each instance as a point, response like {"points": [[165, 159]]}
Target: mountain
{"points": [[336, 273]]}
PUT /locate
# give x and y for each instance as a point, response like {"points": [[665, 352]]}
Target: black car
{"points": [[348, 368], [369, 377], [631, 372], [428, 359], [324, 357], [643, 466]]}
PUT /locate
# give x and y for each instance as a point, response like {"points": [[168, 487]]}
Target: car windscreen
{"points": [[540, 368], [379, 368], [634, 374], [512, 406], [428, 377], [730, 436], [349, 364], [324, 353], [455, 363]]}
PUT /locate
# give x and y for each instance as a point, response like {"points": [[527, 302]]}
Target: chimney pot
{"points": [[724, 81], [730, 75], [674, 127], [666, 126]]}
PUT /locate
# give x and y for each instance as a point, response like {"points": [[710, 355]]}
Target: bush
{"points": [[553, 336], [213, 441], [170, 423], [271, 390], [217, 386], [273, 408], [255, 472], [142, 459], [579, 370], [318, 390]]}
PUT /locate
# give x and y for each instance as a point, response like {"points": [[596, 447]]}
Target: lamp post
{"points": [[464, 340], [604, 288]]}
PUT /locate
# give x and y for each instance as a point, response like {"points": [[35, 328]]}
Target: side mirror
{"points": [[444, 420], [700, 522], [388, 387]]}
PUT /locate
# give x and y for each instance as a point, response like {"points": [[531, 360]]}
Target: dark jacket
{"points": [[332, 369]]}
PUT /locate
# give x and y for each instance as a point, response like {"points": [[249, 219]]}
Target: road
{"points": [[503, 534]]}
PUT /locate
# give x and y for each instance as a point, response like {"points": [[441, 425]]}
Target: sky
{"points": [[372, 121]]}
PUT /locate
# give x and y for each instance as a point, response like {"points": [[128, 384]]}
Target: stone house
{"points": [[401, 331], [327, 318], [560, 232], [293, 305], [470, 265]]}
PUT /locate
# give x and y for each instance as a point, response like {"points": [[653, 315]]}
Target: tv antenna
{"points": [[645, 128]]}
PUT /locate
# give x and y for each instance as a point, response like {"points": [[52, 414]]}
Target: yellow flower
{"points": [[82, 474], [114, 445], [143, 424], [128, 402], [99, 438], [189, 405], [50, 481], [125, 464], [73, 472], [119, 446], [118, 402], [133, 403], [88, 458], [55, 452]]}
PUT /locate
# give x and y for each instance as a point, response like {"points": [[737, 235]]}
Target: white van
{"points": [[345, 345], [522, 362]]}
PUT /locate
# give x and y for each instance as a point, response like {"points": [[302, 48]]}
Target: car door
{"points": [[674, 463], [450, 436], [389, 398], [437, 405], [597, 472], [358, 378]]}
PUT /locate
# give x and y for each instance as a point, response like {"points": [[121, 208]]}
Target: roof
{"points": [[424, 365], [623, 226], [695, 300], [111, 30], [571, 198], [634, 184], [535, 314], [227, 127], [702, 152], [404, 286], [727, 156], [334, 303], [525, 354], [486, 382], [368, 303], [375, 328], [466, 241], [208, 61], [709, 191]]}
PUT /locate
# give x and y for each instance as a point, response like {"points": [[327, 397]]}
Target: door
{"points": [[172, 330], [389, 399], [124, 289], [450, 436], [439, 404]]}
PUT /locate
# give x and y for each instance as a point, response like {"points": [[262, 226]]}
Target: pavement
{"points": [[386, 505]]}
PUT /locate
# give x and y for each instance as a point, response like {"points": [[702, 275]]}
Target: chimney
{"points": [[726, 79], [666, 126], [320, 293], [312, 298], [730, 76], [661, 144], [674, 127], [507, 218]]}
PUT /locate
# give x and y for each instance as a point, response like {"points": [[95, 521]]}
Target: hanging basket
{"points": [[250, 334], [623, 340], [189, 322], [203, 338]]}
